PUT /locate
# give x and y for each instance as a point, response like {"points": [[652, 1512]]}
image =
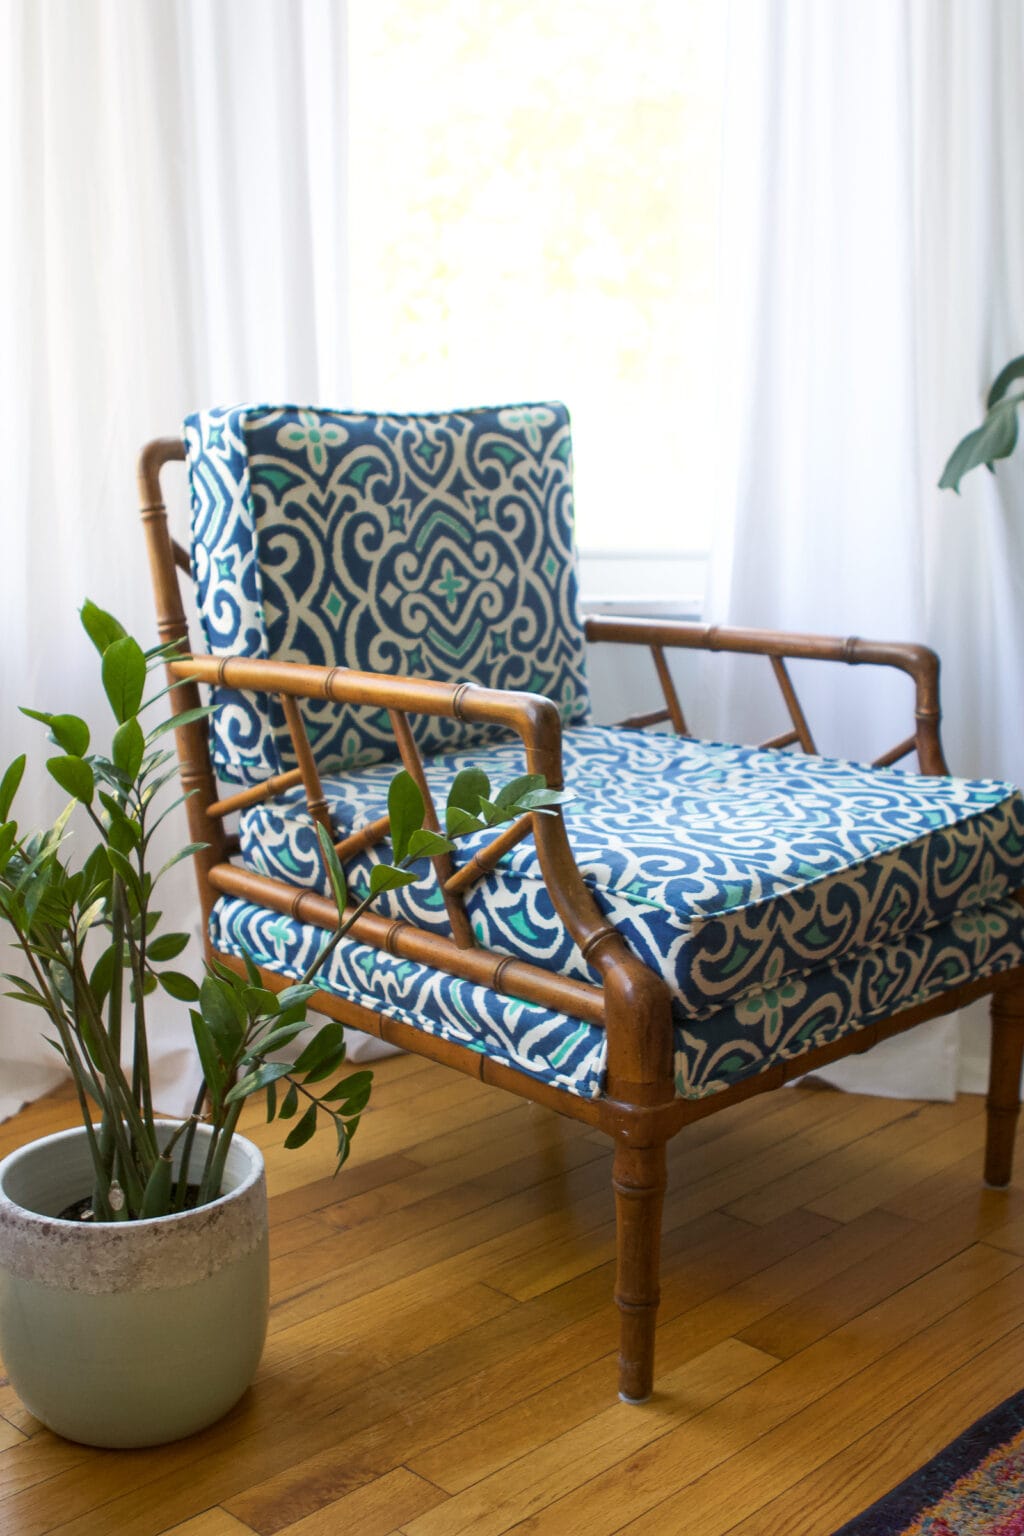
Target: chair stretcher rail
{"points": [[482, 967]]}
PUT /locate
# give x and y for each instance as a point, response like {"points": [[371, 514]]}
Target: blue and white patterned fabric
{"points": [[781, 897], [785, 899], [433, 545]]}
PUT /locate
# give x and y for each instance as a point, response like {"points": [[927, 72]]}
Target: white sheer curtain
{"points": [[173, 234], [873, 276]]}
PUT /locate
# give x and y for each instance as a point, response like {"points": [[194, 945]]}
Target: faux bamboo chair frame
{"points": [[639, 1111]]}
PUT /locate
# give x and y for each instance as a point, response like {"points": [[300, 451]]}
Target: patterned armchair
{"points": [[701, 923]]}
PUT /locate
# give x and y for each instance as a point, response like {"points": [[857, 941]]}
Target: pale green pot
{"points": [[126, 1334]]}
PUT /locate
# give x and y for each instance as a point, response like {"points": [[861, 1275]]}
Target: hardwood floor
{"points": [[841, 1296]]}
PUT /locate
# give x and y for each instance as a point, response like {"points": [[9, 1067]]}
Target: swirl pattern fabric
{"points": [[432, 545], [726, 869], [775, 1023]]}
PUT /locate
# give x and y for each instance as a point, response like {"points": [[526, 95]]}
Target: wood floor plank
{"points": [[375, 1509], [877, 1186], [442, 1349], [891, 1450], [696, 1473], [617, 1434], [836, 1419], [883, 1131], [212, 1522]]}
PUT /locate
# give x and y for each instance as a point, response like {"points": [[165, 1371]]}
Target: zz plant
{"points": [[996, 438], [89, 935]]}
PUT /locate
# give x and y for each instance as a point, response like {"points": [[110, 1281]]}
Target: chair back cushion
{"points": [[431, 545]]}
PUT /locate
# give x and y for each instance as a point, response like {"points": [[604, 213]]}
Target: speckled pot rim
{"points": [[159, 1253]]}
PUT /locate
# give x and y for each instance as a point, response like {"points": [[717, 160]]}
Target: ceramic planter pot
{"points": [[134, 1333]]}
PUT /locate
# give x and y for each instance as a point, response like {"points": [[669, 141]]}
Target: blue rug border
{"points": [[891, 1514]]}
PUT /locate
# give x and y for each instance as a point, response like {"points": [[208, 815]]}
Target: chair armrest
{"points": [[919, 662], [636, 1013]]}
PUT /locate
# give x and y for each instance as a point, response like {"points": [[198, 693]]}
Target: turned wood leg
{"points": [[638, 1178], [1003, 1102]]}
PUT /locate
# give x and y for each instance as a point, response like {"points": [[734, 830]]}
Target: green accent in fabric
{"points": [[439, 518], [287, 858], [396, 519], [960, 863], [334, 604], [522, 927], [357, 475], [551, 568], [499, 643], [278, 479], [367, 964], [737, 960], [225, 566], [567, 1046], [481, 508], [564, 449], [433, 898], [457, 652], [732, 1065], [816, 935], [508, 455], [428, 452]]}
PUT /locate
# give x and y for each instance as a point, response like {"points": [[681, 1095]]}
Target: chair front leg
{"points": [[638, 1179], [1003, 1102]]}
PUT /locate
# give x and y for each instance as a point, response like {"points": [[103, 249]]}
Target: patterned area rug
{"points": [[975, 1487]]}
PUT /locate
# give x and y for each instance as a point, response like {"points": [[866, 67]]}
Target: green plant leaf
{"points": [[124, 677], [209, 1059], [344, 1134], [278, 1038], [384, 877], [260, 1002], [266, 1072], [88, 917], [405, 811], [1013, 371], [297, 996], [167, 947], [424, 844], [8, 833], [301, 1133], [335, 873], [69, 732], [323, 1044], [9, 785], [469, 787], [177, 985], [101, 627], [349, 1088], [996, 438], [156, 1198], [75, 776], [289, 1103], [128, 747], [186, 717], [511, 793], [222, 1009], [541, 799], [328, 1066], [271, 1101], [459, 823]]}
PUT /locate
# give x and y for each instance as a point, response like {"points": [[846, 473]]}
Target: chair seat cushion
{"points": [[733, 872], [768, 1024]]}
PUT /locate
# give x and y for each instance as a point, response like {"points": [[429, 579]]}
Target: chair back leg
{"points": [[638, 1179], [1003, 1102]]}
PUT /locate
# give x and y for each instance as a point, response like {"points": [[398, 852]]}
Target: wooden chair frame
{"points": [[640, 1111]]}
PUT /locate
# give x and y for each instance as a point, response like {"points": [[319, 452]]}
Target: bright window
{"points": [[533, 214]]}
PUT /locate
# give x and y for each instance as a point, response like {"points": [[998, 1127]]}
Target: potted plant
{"points": [[996, 438], [133, 1249]]}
